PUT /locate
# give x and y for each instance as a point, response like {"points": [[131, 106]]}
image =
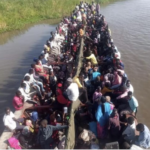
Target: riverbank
{"points": [[16, 14]]}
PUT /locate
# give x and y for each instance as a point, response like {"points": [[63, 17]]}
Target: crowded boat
{"points": [[77, 86]]}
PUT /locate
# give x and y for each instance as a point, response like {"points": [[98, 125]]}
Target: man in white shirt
{"points": [[72, 91], [11, 122], [31, 82], [26, 97]]}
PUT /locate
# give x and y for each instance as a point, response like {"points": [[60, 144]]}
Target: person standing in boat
{"points": [[103, 112], [44, 137], [114, 125]]}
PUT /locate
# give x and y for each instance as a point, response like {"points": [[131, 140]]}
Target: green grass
{"points": [[15, 14]]}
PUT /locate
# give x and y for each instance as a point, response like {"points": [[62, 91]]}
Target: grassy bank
{"points": [[15, 14]]}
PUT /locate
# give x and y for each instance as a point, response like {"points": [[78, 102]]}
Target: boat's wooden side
{"points": [[70, 141]]}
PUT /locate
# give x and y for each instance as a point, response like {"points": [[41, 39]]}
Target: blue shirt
{"points": [[95, 75], [133, 103], [144, 138]]}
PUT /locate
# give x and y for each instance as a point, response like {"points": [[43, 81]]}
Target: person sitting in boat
{"points": [[95, 73], [31, 86], [18, 101], [129, 133], [92, 57], [26, 97], [127, 87], [82, 89], [143, 140], [44, 137], [72, 92], [53, 82], [40, 70], [61, 99], [11, 122], [106, 89], [35, 82], [37, 77], [117, 81], [44, 62], [97, 94]]}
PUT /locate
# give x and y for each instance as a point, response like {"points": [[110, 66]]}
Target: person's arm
{"points": [[58, 127], [88, 57], [78, 82], [108, 90], [141, 140], [123, 95]]}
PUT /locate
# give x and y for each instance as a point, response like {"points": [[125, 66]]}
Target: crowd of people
{"points": [[108, 107]]}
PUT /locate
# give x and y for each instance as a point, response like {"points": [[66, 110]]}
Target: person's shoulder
{"points": [[133, 97], [15, 98]]}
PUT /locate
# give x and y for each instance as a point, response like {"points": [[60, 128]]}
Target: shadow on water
{"points": [[12, 82]]}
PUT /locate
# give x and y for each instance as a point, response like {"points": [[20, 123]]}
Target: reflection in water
{"points": [[4, 37]]}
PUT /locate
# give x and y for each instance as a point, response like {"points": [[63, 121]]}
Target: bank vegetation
{"points": [[15, 14]]}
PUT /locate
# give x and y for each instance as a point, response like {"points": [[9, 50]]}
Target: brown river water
{"points": [[129, 21]]}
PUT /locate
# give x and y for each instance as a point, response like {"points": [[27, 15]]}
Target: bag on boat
{"points": [[14, 143]]}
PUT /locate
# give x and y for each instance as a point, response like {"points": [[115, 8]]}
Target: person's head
{"points": [[69, 81], [31, 71], [128, 83], [114, 113], [7, 110], [41, 56], [108, 99], [23, 85], [130, 120], [37, 62], [103, 99], [126, 145], [51, 73], [130, 95], [32, 65], [99, 89], [18, 93], [140, 127], [44, 123], [81, 76], [26, 78], [95, 68], [89, 63]]}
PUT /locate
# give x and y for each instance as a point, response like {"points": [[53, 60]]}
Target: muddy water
{"points": [[15, 58], [130, 25]]}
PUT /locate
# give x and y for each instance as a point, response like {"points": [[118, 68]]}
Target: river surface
{"points": [[129, 21]]}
